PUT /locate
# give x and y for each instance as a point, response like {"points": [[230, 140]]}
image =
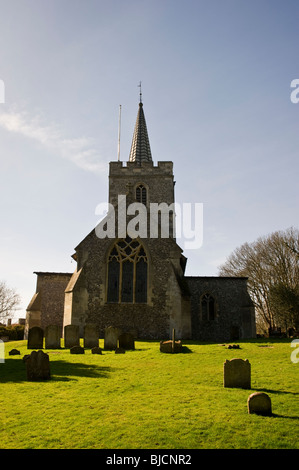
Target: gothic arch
{"points": [[127, 272], [207, 307], [141, 193]]}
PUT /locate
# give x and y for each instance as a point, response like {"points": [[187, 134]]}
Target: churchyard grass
{"points": [[145, 399]]}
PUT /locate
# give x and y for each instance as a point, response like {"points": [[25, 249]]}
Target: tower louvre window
{"points": [[127, 272], [141, 194]]}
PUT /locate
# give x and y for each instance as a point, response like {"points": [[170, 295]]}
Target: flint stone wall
{"points": [[235, 316]]}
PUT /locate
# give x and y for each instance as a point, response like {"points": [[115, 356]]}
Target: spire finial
{"points": [[140, 93]]}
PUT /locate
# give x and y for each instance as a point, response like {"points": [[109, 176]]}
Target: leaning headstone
{"points": [[237, 373], [96, 350], [77, 350], [111, 337], [126, 341], [71, 336], [52, 337], [38, 366], [35, 338], [91, 336], [259, 403]]}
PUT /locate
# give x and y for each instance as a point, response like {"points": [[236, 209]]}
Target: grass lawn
{"points": [[145, 399]]}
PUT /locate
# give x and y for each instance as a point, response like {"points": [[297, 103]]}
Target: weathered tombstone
{"points": [[77, 350], [126, 341], [71, 336], [169, 347], [111, 337], [52, 337], [96, 350], [120, 351], [35, 338], [259, 403], [237, 373], [91, 336], [14, 352], [38, 366]]}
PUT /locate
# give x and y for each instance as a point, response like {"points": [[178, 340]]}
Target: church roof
{"points": [[140, 149]]}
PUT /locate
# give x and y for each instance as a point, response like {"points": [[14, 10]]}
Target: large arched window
{"points": [[127, 272], [141, 194], [207, 307]]}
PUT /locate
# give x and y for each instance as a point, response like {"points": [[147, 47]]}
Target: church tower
{"points": [[130, 270]]}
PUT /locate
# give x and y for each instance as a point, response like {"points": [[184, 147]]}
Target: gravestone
{"points": [[120, 351], [14, 352], [71, 336], [259, 403], [170, 347], [126, 341], [111, 337], [96, 350], [38, 366], [77, 350], [35, 338], [91, 336], [237, 373], [52, 337]]}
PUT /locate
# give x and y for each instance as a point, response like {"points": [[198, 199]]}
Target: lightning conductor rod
{"points": [[119, 121]]}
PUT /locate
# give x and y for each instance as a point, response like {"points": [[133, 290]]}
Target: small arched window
{"points": [[141, 194], [127, 272], [207, 307]]}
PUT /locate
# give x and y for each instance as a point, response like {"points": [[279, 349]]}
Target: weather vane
{"points": [[140, 93]]}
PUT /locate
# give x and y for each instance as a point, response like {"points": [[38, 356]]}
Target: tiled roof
{"points": [[140, 149]]}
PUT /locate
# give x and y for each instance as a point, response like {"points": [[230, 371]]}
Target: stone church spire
{"points": [[140, 149]]}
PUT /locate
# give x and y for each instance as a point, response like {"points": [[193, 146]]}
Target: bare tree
{"points": [[9, 301], [269, 263]]}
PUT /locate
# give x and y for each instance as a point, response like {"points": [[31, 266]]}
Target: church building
{"points": [[131, 276]]}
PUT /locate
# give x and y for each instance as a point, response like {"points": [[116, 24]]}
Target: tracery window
{"points": [[127, 272], [141, 194], [207, 307]]}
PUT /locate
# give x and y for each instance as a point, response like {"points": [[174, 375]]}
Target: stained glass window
{"points": [[127, 272]]}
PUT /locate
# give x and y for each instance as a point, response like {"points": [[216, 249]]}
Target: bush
{"points": [[14, 333]]}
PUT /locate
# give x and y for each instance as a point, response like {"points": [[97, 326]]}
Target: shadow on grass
{"points": [[266, 390], [15, 371], [275, 415]]}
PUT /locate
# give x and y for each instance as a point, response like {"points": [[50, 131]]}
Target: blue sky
{"points": [[216, 80]]}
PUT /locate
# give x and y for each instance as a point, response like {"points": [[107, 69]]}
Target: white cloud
{"points": [[80, 150]]}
